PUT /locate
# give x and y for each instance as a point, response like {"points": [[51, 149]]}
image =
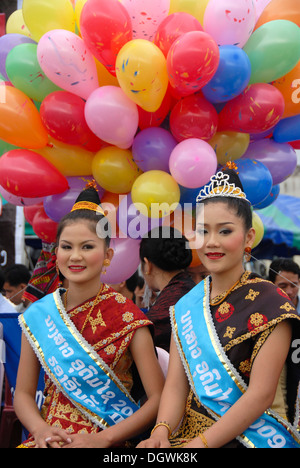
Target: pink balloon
{"points": [[231, 22], [125, 261], [192, 163], [260, 5], [146, 16], [19, 201], [112, 116], [67, 62]]}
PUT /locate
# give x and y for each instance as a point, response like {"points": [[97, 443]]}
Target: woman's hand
{"points": [[88, 441], [155, 442], [49, 436]]}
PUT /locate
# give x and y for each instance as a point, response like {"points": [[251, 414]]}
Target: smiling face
{"points": [[81, 253], [224, 239]]}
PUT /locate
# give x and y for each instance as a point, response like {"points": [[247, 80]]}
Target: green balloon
{"points": [[25, 73], [273, 50]]}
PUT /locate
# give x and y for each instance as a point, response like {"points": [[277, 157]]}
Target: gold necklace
{"points": [[215, 302], [92, 308]]}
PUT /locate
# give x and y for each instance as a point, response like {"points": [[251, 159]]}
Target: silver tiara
{"points": [[219, 186]]}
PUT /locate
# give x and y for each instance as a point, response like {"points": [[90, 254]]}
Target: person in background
{"points": [[164, 259], [285, 274], [198, 273], [5, 304], [127, 288], [16, 279]]}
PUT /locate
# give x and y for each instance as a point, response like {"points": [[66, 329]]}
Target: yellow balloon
{"points": [[68, 159], [16, 24], [78, 9], [195, 8], [229, 146], [156, 194], [259, 229], [42, 16], [141, 69], [115, 170]]}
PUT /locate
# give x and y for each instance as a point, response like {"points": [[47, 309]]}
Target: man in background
{"points": [[285, 274]]}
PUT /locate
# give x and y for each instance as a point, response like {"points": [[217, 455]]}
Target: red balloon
{"points": [[27, 174], [62, 113], [44, 227], [155, 119], [30, 212], [173, 27], [192, 62], [258, 109], [194, 117], [105, 26]]}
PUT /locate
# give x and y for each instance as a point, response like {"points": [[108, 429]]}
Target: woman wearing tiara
{"points": [[94, 345], [233, 377]]}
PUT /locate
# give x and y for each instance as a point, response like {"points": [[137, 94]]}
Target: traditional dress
{"points": [[90, 383], [218, 345]]}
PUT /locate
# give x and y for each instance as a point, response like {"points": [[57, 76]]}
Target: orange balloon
{"points": [[289, 86], [280, 10], [195, 259], [20, 122]]}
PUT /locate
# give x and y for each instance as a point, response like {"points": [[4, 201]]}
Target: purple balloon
{"points": [[279, 158], [125, 261], [152, 149], [7, 43]]}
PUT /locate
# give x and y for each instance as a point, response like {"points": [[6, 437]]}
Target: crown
{"points": [[220, 186]]}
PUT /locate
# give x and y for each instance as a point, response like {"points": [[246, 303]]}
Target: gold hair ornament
{"points": [[85, 205], [219, 186]]}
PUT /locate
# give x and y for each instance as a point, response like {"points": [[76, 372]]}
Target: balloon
{"points": [[158, 192], [16, 24], [273, 50], [274, 194], [146, 16], [259, 229], [287, 130], [258, 109], [103, 110], [67, 62], [7, 43], [279, 158], [57, 206], [172, 27], [106, 27], [30, 211], [155, 119], [122, 266], [280, 9], [115, 170], [132, 222], [25, 73], [229, 146], [256, 180], [192, 62], [152, 149], [194, 8], [27, 174], [70, 160], [142, 73], [231, 22], [78, 10], [260, 5], [44, 227], [232, 76], [42, 16], [193, 117], [192, 163], [62, 113], [289, 86], [18, 201], [104, 77], [20, 122]]}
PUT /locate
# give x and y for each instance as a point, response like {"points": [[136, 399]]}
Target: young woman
{"points": [[233, 376], [94, 345]]}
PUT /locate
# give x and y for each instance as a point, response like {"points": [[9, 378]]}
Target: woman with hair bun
{"points": [[164, 257]]}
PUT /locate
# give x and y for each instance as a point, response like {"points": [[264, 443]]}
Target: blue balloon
{"points": [[274, 194], [287, 130], [256, 180], [188, 196], [232, 76]]}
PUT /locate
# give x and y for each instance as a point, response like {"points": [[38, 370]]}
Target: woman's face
{"points": [[81, 253], [224, 238]]}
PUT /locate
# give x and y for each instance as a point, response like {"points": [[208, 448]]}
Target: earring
{"points": [[248, 251], [106, 264]]}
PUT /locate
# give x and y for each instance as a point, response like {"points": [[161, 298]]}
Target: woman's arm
{"points": [[24, 400], [261, 392]]}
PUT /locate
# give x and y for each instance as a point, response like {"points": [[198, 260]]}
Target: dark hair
{"points": [[98, 222], [283, 264], [17, 274], [167, 248], [241, 207]]}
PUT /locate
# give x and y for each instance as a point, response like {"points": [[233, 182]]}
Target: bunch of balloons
{"points": [[148, 97]]}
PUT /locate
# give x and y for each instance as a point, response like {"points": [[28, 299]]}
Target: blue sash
{"points": [[212, 377], [73, 365]]}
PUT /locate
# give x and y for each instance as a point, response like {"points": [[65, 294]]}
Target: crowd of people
{"points": [[233, 373]]}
